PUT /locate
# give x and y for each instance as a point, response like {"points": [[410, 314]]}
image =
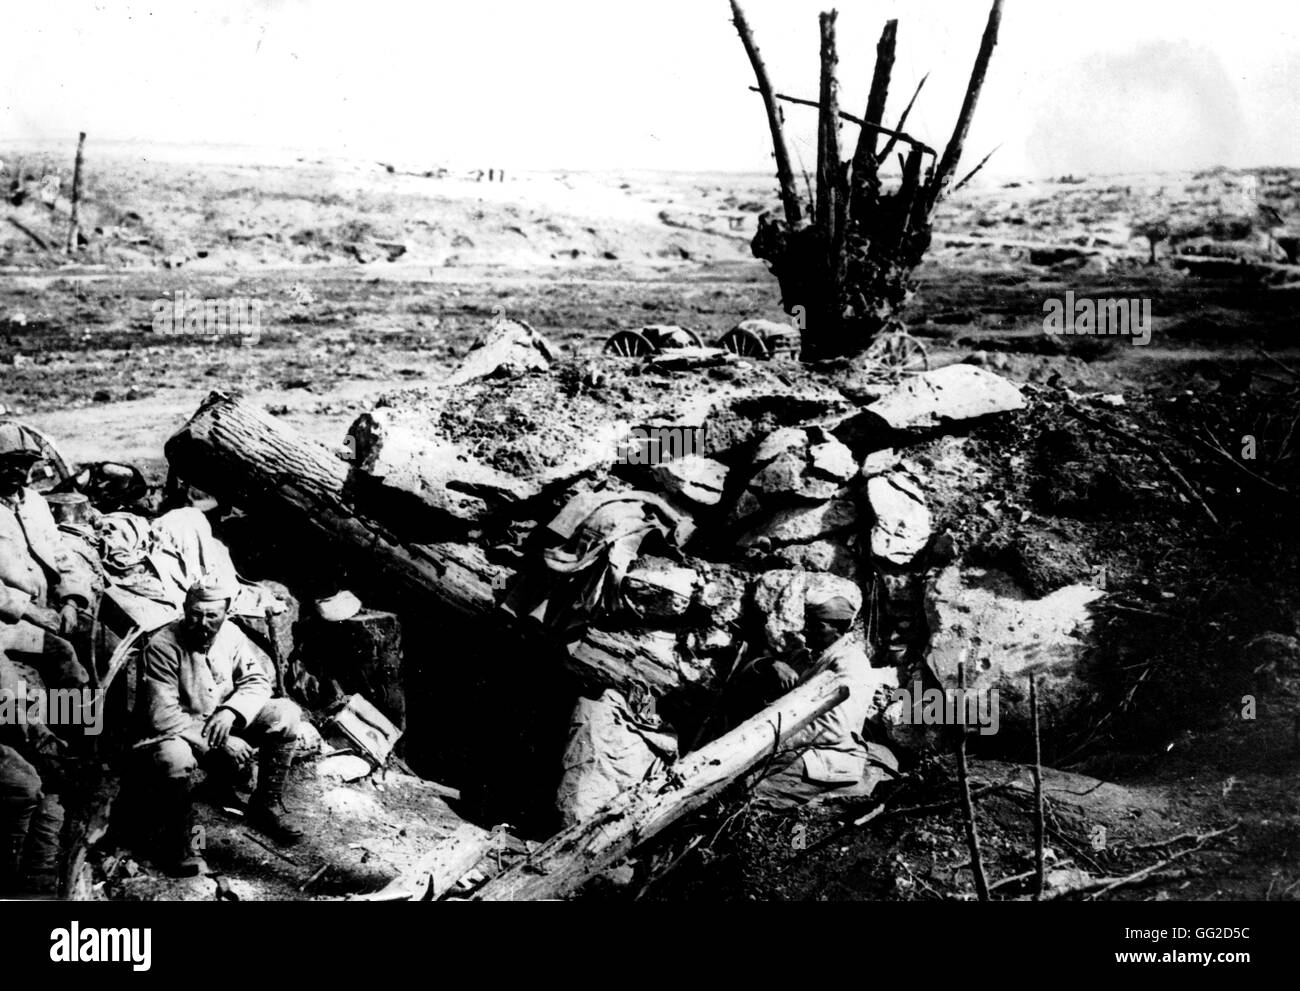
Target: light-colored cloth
{"points": [[610, 749], [162, 561], [182, 688], [35, 565], [833, 757]]}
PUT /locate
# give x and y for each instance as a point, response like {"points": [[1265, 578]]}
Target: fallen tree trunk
{"points": [[243, 456], [577, 854]]}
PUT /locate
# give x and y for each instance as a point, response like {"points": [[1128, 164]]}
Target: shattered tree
{"points": [[850, 267]]}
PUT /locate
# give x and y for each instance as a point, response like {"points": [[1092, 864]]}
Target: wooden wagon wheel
{"points": [[629, 344], [745, 343], [695, 338], [899, 352]]}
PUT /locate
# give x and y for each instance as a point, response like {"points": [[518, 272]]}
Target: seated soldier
{"points": [[206, 700], [31, 816], [833, 762], [44, 595]]}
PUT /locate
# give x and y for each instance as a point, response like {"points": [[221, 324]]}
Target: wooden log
{"points": [[243, 456], [573, 856], [784, 173], [442, 866], [73, 222], [947, 167]]}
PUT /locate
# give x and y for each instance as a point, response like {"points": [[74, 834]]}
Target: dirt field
{"points": [[347, 316]]}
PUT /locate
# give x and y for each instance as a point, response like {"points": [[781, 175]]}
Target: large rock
{"points": [[780, 596], [423, 474], [803, 524], [698, 479], [984, 618], [930, 403], [902, 523]]}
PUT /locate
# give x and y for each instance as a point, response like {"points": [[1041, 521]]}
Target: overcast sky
{"points": [[1076, 85]]}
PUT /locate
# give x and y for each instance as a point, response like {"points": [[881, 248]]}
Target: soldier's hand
{"points": [[72, 619], [217, 729], [786, 676], [238, 749], [46, 619]]}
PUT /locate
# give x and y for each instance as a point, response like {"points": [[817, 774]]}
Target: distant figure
{"points": [[492, 175]]}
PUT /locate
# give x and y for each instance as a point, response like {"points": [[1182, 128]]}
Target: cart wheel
{"points": [[695, 338], [900, 353], [629, 344], [745, 343]]}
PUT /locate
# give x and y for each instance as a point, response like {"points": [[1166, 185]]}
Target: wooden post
{"points": [[76, 196], [573, 856]]}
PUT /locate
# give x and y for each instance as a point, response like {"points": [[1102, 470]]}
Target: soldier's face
{"points": [[820, 633], [202, 620], [13, 475]]}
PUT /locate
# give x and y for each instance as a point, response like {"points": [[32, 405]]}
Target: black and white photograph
{"points": [[617, 454]]}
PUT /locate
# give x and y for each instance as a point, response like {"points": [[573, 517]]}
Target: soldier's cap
{"points": [[211, 587], [17, 444], [834, 605]]}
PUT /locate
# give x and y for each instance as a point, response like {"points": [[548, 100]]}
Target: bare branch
{"points": [[975, 171], [864, 156], [894, 135], [902, 122], [952, 154], [784, 174]]}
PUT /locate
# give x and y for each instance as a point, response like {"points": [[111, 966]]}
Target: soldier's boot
{"points": [[41, 855], [15, 819], [178, 854], [266, 810]]}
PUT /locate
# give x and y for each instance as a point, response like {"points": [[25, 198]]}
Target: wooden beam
{"points": [[575, 855]]}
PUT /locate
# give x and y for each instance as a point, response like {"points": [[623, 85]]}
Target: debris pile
{"points": [[650, 525]]}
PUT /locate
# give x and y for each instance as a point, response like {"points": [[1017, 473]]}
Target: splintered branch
{"points": [[894, 134], [952, 154], [784, 174], [864, 156], [902, 123], [975, 171]]}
